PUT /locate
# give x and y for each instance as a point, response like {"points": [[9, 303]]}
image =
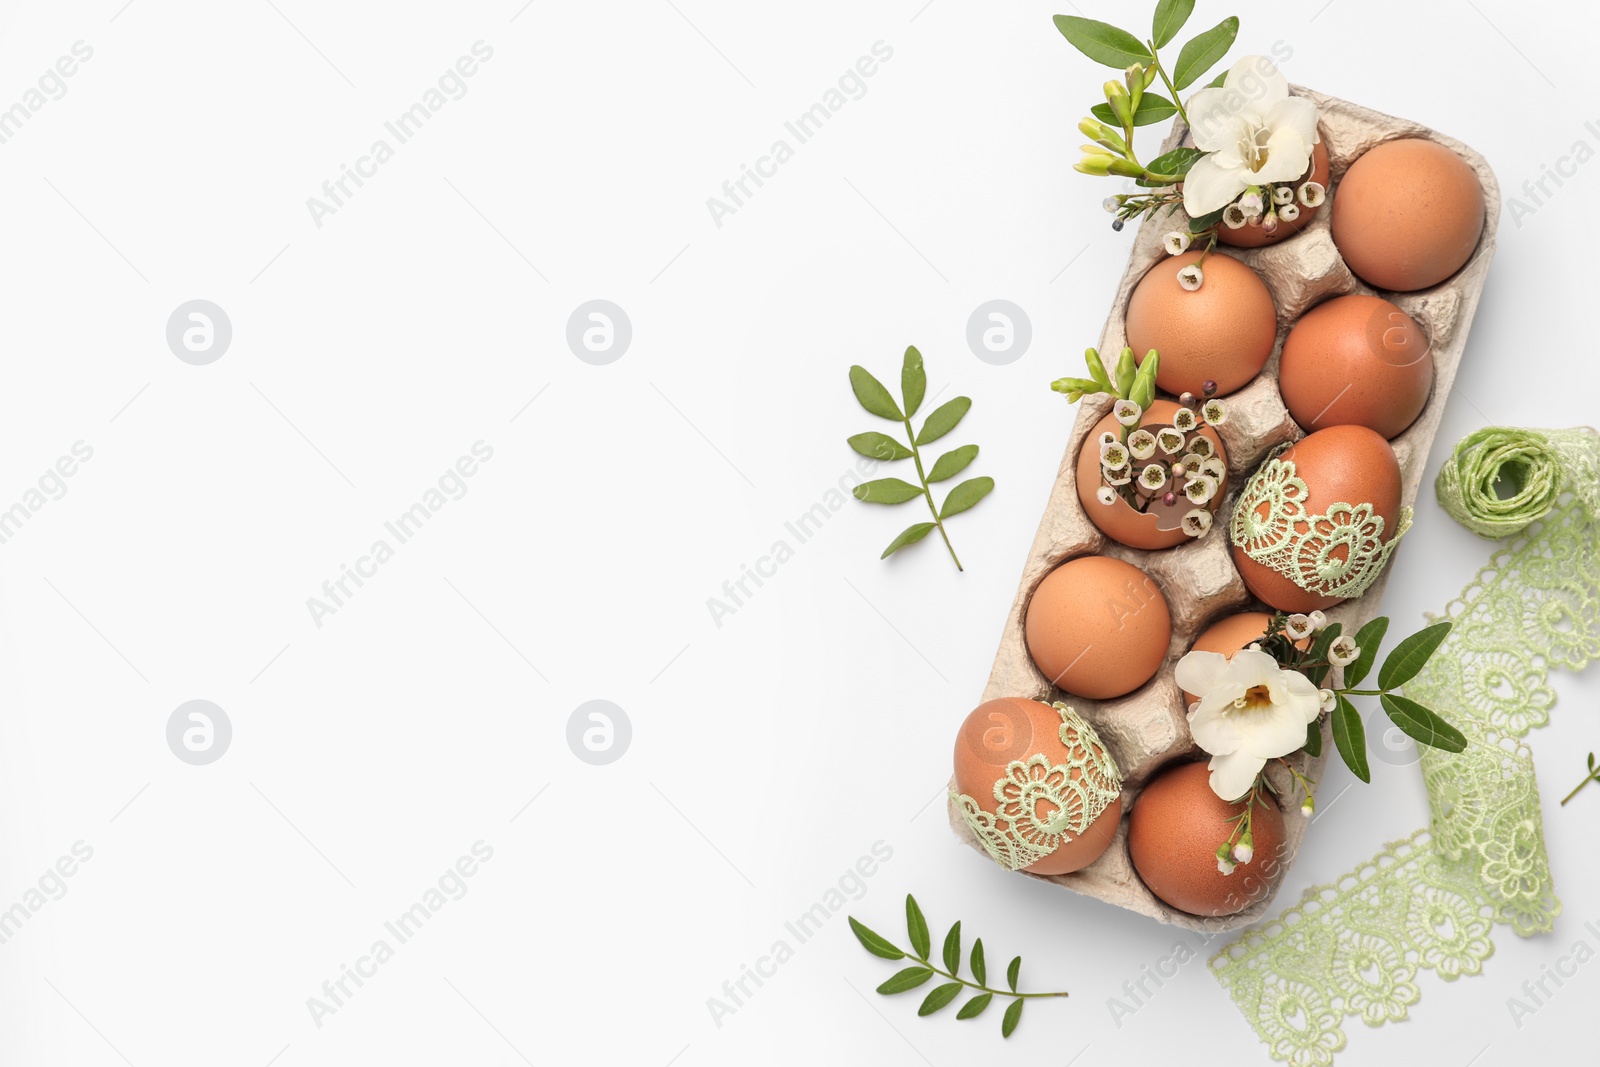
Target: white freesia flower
{"points": [[1191, 277], [1106, 496], [1298, 627], [1253, 132], [1288, 212], [1327, 700], [1251, 710], [1176, 243], [1319, 621], [1127, 412], [1196, 522]]}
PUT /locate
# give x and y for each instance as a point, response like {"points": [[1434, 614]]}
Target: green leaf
{"points": [[1368, 639], [1319, 653], [979, 970], [974, 1007], [877, 445], [886, 491], [1351, 738], [1011, 973], [917, 928], [940, 996], [1102, 42], [1153, 107], [952, 463], [1410, 655], [1169, 19], [1202, 53], [1422, 725], [1206, 221], [909, 536], [1178, 161], [1314, 737], [952, 950], [905, 980], [1013, 1017], [1216, 83], [874, 943], [943, 419], [871, 394], [964, 496], [913, 381]]}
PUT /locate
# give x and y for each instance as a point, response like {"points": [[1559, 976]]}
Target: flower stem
{"points": [[982, 988], [1182, 114], [927, 493]]}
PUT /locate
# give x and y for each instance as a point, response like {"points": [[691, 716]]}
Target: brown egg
{"points": [[1407, 215], [1160, 526], [1356, 360], [1340, 465], [1255, 236], [1173, 834], [1098, 627], [1000, 733], [1222, 331]]}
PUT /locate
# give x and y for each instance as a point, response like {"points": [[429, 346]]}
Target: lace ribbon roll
{"points": [[1523, 461]]}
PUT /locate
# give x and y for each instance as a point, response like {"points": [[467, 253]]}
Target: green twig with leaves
{"points": [[876, 399], [1593, 776], [1357, 656], [1129, 103], [923, 970]]}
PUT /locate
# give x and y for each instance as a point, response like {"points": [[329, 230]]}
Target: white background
{"points": [[769, 753]]}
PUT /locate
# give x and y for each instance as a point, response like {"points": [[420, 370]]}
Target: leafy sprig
{"points": [[924, 969], [1130, 103], [1357, 656], [1593, 776], [876, 399]]}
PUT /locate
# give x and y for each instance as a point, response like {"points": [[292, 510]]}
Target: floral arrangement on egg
{"points": [[1249, 176]]}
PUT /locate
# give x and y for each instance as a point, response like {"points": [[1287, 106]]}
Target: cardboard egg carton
{"points": [[1147, 729]]}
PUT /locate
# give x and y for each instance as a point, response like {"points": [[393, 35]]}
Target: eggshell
{"points": [[1011, 728], [1173, 834], [1161, 526], [1407, 215], [1342, 464], [1098, 627], [1358, 360], [1255, 236], [1222, 331]]}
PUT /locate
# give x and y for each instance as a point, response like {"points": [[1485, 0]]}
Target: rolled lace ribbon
{"points": [[1524, 462]]}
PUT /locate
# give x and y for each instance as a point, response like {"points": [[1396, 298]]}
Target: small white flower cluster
{"points": [[1267, 206], [1169, 460]]}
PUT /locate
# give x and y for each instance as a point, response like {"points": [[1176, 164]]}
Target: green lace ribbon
{"points": [[1354, 949], [1040, 805], [1337, 553], [1523, 461]]}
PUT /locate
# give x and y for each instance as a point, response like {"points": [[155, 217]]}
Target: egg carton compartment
{"points": [[1148, 729]]}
